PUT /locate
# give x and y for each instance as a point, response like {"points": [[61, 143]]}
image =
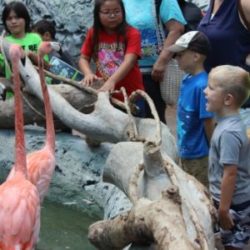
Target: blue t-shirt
{"points": [[191, 112], [141, 14]]}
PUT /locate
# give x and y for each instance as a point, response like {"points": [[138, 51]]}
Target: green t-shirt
{"points": [[30, 42]]}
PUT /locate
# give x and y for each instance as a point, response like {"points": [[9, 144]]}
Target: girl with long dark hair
{"points": [[115, 48]]}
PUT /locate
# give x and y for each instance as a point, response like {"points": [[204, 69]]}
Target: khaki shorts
{"points": [[198, 168]]}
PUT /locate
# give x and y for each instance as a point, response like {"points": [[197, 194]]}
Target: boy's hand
{"points": [[225, 220]]}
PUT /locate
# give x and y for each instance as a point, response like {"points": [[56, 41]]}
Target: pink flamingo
{"points": [[19, 198], [41, 163]]}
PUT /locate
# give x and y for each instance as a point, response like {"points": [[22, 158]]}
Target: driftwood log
{"points": [[33, 108], [104, 123], [170, 208]]}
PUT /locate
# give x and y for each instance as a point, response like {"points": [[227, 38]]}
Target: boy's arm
{"points": [[227, 190], [127, 64], [209, 128], [245, 4]]}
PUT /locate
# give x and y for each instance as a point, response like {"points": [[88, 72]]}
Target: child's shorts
{"points": [[239, 235]]}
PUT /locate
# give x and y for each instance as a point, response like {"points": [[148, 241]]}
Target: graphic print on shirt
{"points": [[110, 57], [152, 33], [152, 40], [150, 44]]}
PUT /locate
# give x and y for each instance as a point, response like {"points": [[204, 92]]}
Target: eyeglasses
{"points": [[111, 13]]}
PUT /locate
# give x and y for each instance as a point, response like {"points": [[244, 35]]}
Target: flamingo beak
{"points": [[55, 46]]}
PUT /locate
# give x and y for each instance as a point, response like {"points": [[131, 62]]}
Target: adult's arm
{"points": [[246, 10], [175, 30]]}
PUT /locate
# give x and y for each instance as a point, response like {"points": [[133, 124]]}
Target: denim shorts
{"points": [[239, 235]]}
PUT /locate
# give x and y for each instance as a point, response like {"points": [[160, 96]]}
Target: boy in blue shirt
{"points": [[229, 155], [194, 123]]}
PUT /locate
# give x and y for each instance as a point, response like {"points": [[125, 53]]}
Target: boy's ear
{"points": [[228, 99], [197, 56]]}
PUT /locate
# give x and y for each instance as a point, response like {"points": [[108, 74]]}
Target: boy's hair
{"points": [[233, 80], [21, 12], [44, 26], [97, 26]]}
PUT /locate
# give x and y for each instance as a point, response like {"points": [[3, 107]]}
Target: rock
{"points": [[72, 18], [78, 167]]}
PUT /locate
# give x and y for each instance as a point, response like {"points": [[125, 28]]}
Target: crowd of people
{"points": [[131, 43]]}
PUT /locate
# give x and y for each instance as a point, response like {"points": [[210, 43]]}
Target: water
{"points": [[64, 228]]}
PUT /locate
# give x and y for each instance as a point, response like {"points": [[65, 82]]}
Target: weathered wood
{"points": [[33, 107], [105, 123], [160, 173], [78, 167], [156, 152], [148, 221]]}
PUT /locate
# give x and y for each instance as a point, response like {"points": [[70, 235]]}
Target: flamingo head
{"points": [[47, 47], [16, 52]]}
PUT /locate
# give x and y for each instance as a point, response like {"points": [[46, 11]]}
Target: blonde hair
{"points": [[233, 80]]}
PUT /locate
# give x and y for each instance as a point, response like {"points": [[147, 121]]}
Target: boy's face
{"points": [[215, 97], [185, 60]]}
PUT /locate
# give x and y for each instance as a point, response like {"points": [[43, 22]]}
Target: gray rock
{"points": [[78, 167], [72, 18]]}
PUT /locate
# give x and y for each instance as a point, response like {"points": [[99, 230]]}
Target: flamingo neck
{"points": [[50, 129], [20, 164]]}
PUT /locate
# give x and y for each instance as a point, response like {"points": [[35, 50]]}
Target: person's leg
{"points": [[152, 88]]}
